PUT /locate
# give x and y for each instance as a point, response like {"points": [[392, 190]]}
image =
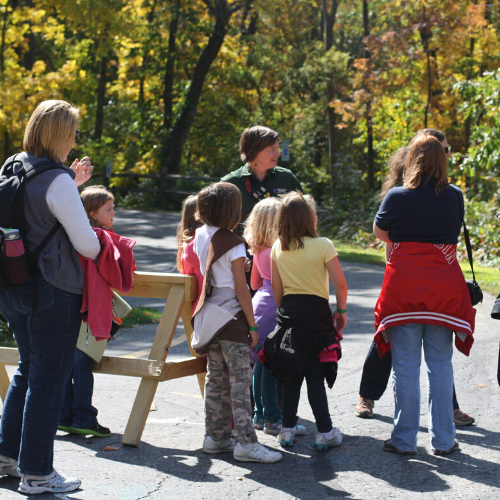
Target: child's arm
{"points": [[256, 280], [276, 283], [340, 285], [244, 297]]}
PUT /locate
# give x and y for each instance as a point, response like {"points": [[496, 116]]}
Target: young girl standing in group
{"points": [[259, 237], [78, 416], [187, 260], [301, 264], [224, 326]]}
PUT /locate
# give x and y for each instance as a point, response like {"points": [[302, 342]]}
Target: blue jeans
{"points": [[77, 410], [406, 342], [34, 399], [265, 393], [376, 373]]}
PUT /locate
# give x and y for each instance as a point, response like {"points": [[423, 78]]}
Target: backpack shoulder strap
{"points": [[31, 171]]}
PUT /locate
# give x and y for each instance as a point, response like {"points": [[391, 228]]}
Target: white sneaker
{"points": [[322, 443], [8, 467], [211, 446], [256, 453], [53, 483], [286, 438]]}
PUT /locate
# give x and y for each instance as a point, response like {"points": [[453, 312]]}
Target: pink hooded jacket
{"points": [[114, 269]]}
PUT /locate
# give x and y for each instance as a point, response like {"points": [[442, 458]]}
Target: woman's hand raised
{"points": [[83, 170]]}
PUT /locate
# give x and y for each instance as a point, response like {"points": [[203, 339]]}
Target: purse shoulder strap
{"points": [[467, 239]]}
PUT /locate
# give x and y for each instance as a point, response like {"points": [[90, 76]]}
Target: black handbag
{"points": [[495, 312], [476, 294]]}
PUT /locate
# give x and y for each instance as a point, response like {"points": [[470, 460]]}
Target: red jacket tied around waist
{"points": [[114, 269], [423, 283]]}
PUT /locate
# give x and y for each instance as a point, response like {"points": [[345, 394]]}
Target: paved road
{"points": [[169, 462]]}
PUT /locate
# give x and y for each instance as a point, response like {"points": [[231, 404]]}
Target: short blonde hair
{"points": [[51, 126], [259, 225], [93, 198]]}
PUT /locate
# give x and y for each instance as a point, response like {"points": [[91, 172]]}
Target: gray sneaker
{"points": [[212, 446], [322, 443], [256, 453], [8, 467], [53, 483]]}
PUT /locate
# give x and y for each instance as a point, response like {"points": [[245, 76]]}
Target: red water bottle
{"points": [[13, 244]]}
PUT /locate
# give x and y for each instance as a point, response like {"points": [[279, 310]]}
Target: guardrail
{"points": [[174, 177]]}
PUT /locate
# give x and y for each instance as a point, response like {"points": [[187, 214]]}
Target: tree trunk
{"points": [[469, 76], [468, 120], [101, 96], [425, 35], [328, 25], [179, 131], [4, 29], [369, 121], [170, 66]]}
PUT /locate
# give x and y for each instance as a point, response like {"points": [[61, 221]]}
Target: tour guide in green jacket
{"points": [[260, 177]]}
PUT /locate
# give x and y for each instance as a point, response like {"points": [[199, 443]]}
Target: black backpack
{"points": [[16, 270]]}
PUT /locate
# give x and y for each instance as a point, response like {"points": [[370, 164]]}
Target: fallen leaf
{"points": [[239, 478], [110, 448]]}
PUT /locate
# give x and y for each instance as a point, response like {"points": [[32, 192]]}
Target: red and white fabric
{"points": [[423, 283]]}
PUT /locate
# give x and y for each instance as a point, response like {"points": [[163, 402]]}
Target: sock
{"points": [[328, 435], [289, 429], [246, 446]]}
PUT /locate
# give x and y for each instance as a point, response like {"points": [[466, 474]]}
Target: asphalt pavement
{"points": [[169, 463]]}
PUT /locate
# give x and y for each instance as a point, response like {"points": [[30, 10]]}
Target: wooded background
{"points": [[167, 86]]}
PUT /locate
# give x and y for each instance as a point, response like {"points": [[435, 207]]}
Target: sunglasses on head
{"points": [[77, 135], [447, 149]]}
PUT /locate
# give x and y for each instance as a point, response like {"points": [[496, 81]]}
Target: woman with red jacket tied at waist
{"points": [[424, 297]]}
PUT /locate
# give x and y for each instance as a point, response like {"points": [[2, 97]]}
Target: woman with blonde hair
{"points": [[424, 297], [44, 313]]}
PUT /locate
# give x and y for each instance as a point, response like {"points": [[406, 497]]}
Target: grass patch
{"points": [[6, 335], [352, 253], [487, 277], [141, 316]]}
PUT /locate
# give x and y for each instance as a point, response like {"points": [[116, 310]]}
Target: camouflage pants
{"points": [[228, 384]]}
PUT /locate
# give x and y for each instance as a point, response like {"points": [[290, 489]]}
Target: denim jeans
{"points": [[376, 373], [34, 399], [265, 393], [77, 410], [316, 393], [406, 342]]}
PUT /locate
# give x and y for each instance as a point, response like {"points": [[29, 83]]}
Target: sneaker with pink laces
{"points": [[364, 409], [461, 418]]}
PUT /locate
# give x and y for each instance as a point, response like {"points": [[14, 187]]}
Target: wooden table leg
{"points": [[4, 382], [159, 351]]}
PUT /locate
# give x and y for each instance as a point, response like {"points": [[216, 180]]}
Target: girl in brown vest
{"points": [[224, 327]]}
